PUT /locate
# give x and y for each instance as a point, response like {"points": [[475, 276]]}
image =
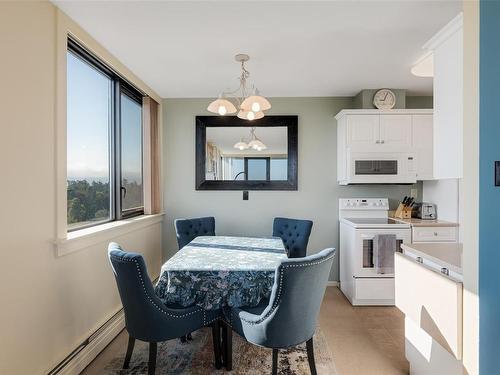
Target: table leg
{"points": [[217, 344], [227, 344]]}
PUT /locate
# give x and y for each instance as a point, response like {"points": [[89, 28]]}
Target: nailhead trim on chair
{"points": [[275, 305], [147, 295]]}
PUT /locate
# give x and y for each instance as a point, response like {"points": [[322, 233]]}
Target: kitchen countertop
{"points": [[447, 255], [427, 223]]}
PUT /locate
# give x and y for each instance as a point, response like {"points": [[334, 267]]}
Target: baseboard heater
{"points": [[85, 353]]}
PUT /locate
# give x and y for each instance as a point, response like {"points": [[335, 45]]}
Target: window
{"points": [[104, 143], [254, 168]]}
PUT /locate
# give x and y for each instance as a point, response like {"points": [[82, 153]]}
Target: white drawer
{"points": [[434, 234], [374, 289]]}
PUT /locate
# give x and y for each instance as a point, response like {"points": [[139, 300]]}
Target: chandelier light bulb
{"points": [[256, 107], [241, 145], [250, 115], [222, 110]]}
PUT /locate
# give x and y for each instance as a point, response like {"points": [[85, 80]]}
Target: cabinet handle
{"points": [[377, 142], [419, 260], [382, 141], [435, 233], [445, 271]]}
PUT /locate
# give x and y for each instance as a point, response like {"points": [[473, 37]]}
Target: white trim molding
{"points": [[447, 31], [332, 283], [95, 346], [83, 238]]}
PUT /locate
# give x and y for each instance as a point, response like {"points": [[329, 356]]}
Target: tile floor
{"points": [[363, 340]]}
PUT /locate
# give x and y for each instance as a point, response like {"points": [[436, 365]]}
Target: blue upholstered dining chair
{"points": [[294, 233], [289, 317], [147, 318], [187, 230]]}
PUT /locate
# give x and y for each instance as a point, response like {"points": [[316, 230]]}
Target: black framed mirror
{"points": [[236, 154]]}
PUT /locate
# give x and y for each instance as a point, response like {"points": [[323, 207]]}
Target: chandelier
{"points": [[254, 142], [249, 107]]}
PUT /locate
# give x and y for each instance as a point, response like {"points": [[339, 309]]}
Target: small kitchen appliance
{"points": [[425, 211]]}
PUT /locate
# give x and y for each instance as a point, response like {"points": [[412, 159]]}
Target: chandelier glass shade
{"points": [[222, 106], [255, 143], [250, 115], [255, 103], [249, 107]]}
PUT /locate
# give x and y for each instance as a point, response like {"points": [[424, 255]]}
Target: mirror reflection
{"points": [[246, 153]]}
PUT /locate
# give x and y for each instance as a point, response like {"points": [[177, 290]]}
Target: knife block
{"points": [[403, 212]]}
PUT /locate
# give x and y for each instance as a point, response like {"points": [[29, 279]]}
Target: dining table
{"points": [[221, 271]]}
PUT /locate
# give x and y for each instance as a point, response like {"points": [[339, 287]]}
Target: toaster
{"points": [[425, 211]]}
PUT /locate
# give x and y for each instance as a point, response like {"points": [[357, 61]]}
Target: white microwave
{"points": [[380, 168]]}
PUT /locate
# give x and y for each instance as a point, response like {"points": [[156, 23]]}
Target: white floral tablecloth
{"points": [[217, 271]]}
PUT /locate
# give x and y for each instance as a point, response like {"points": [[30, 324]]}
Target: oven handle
{"points": [[371, 236], [371, 277]]}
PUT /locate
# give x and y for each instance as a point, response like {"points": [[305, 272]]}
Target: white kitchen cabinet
{"points": [[379, 134], [434, 234], [395, 130], [363, 130], [422, 135], [447, 49]]}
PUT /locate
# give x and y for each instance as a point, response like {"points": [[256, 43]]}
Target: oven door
{"points": [[363, 260], [381, 168]]}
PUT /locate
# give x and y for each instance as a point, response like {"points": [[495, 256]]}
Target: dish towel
{"points": [[384, 246]]}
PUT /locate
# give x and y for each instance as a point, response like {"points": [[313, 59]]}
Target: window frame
{"points": [[268, 166], [118, 86]]}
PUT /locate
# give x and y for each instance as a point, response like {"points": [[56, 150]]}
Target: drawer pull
{"points": [[435, 233], [445, 271], [419, 260]]}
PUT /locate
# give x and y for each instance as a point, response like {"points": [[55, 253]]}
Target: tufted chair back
{"points": [[146, 316], [291, 315], [294, 233], [187, 230]]}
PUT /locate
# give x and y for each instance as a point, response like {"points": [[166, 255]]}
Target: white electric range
{"points": [[360, 221]]}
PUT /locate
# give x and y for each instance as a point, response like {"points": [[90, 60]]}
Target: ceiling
{"points": [[297, 48], [275, 138]]}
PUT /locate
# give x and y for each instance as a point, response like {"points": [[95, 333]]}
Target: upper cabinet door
{"points": [[448, 107], [395, 130], [422, 137], [363, 130]]}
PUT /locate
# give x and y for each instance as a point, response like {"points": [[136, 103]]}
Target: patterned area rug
{"points": [[196, 357]]}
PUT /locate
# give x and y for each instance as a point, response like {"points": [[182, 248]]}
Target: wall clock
{"points": [[384, 99]]}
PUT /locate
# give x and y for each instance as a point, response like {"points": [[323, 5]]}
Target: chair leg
{"points": [[216, 344], [153, 346], [275, 361], [130, 349], [310, 356], [227, 340]]}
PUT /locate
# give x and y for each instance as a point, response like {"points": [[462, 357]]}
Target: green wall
{"points": [[318, 191], [364, 99], [414, 102]]}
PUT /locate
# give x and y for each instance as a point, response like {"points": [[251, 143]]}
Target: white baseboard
{"points": [[95, 346], [332, 283]]}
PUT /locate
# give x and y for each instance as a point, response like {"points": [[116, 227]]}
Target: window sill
{"points": [[83, 238]]}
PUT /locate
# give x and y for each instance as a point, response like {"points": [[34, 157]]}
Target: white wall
{"points": [[49, 304], [317, 195], [471, 188], [447, 194]]}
